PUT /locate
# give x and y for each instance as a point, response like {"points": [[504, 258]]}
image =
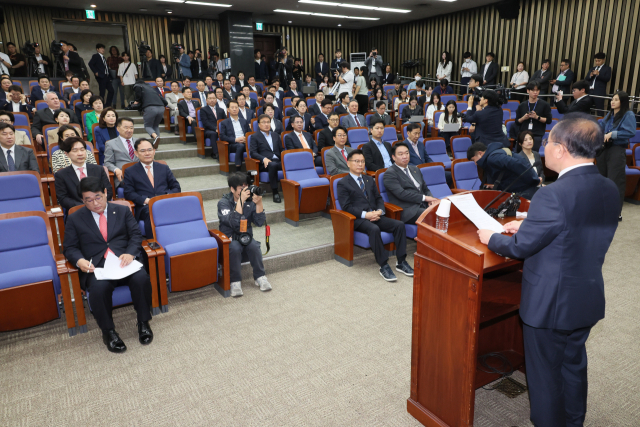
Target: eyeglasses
{"points": [[148, 150], [358, 162], [97, 199], [5, 120]]}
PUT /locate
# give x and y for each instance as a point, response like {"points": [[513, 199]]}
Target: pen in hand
{"points": [[89, 268]]}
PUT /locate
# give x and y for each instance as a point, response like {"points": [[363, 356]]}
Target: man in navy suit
{"points": [[564, 80], [598, 77], [90, 235], [98, 65], [209, 116], [270, 98], [322, 69], [358, 195], [17, 102], [416, 147], [266, 148], [322, 119], [377, 152], [563, 242], [233, 130], [246, 113], [147, 179], [38, 92], [298, 139]]}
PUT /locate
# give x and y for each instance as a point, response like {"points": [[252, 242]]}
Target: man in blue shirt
{"points": [[184, 62], [377, 153]]}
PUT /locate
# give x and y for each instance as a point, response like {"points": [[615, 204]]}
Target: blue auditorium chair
{"points": [[446, 98], [21, 119], [194, 255], [435, 178], [465, 175], [437, 150], [632, 177], [433, 130], [201, 141], [253, 165], [459, 146], [506, 114], [225, 158], [357, 137], [390, 134], [555, 114], [41, 105], [632, 142], [513, 106], [550, 126], [343, 233], [303, 190], [31, 290], [391, 210], [461, 106]]}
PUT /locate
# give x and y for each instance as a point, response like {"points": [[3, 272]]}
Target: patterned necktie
{"points": [[106, 69], [81, 171], [406, 170], [149, 174], [10, 163], [131, 153], [357, 121], [103, 231], [303, 141], [364, 190]]}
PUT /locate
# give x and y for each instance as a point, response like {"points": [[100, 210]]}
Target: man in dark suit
{"points": [[598, 77], [38, 92], [147, 179], [14, 157], [17, 102], [343, 99], [325, 137], [564, 79], [92, 234], [246, 113], [582, 101], [269, 98], [71, 59], [563, 241], [70, 91], [543, 75], [209, 116], [377, 153], [233, 130], [198, 65], [67, 179], [160, 87], [227, 92], [381, 114], [490, 70], [358, 195], [299, 139], [153, 69], [316, 108], [98, 65], [322, 119], [261, 68], [335, 63], [266, 148], [322, 69], [45, 116], [187, 108], [200, 94], [405, 185], [417, 155], [251, 103]]}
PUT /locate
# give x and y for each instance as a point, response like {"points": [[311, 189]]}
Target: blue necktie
{"points": [[10, 162], [362, 187]]}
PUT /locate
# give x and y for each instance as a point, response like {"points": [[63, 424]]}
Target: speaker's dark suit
{"points": [[44, 117], [583, 105], [101, 72], [563, 242], [404, 193], [372, 156], [292, 142], [210, 123], [600, 88], [227, 133], [354, 201], [260, 150], [38, 95], [23, 158], [543, 79], [138, 188], [83, 240], [491, 76], [67, 184]]}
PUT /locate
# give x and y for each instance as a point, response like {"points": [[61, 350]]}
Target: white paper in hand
{"points": [[113, 271], [467, 204]]}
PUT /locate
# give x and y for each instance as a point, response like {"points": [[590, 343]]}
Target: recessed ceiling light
{"points": [[324, 3], [339, 25], [169, 11], [325, 15], [208, 4], [290, 22], [173, 1], [93, 5], [292, 11], [356, 6]]}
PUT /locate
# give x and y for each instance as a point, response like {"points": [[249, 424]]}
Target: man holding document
{"points": [[103, 241], [563, 241]]}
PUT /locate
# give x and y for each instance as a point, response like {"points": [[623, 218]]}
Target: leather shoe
{"points": [[113, 342], [276, 198], [145, 334], [155, 146]]}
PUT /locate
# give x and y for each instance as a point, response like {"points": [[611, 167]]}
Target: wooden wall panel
{"points": [[554, 29]]}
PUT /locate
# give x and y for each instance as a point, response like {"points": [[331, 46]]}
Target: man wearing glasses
{"points": [[93, 234], [336, 157], [147, 179], [325, 136]]}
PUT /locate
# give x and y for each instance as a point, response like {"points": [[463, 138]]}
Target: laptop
{"points": [[309, 90], [416, 119], [451, 127]]}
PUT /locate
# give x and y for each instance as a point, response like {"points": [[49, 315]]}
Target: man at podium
{"points": [[563, 242]]}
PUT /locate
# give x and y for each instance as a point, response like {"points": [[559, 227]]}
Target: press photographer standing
{"points": [[152, 105], [486, 120], [374, 65], [236, 211]]}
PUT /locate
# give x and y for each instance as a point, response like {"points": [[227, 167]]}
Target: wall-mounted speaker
{"points": [[176, 26], [509, 9]]}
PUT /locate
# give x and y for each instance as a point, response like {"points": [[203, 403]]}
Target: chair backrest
{"points": [[436, 117], [550, 126], [437, 150], [83, 117], [446, 98], [465, 98], [401, 107], [367, 118], [17, 83], [465, 175], [254, 125], [45, 132], [21, 191], [461, 106], [506, 114], [380, 183], [632, 141], [555, 114], [390, 134], [334, 189], [286, 102], [21, 119], [33, 83], [511, 105], [435, 179], [636, 154], [459, 146], [386, 88], [324, 160], [311, 101], [357, 136], [297, 165], [286, 121], [178, 217]]}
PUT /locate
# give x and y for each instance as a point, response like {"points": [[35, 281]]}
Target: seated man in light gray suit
{"points": [[120, 150], [405, 186], [353, 119], [335, 158], [14, 157]]}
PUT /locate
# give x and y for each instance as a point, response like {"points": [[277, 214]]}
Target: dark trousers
{"points": [[272, 169], [237, 148], [556, 362], [213, 136], [239, 253], [373, 229], [105, 85], [465, 84], [363, 104], [447, 138], [317, 160], [416, 216], [598, 102], [611, 163], [100, 296]]}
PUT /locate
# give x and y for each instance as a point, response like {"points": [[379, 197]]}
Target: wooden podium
{"points": [[465, 304]]}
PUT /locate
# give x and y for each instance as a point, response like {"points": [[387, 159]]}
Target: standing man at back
{"points": [[563, 241], [374, 65], [598, 77], [99, 67]]}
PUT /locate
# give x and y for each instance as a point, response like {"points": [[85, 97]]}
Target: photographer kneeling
{"points": [[236, 211], [148, 100], [487, 120], [501, 169]]}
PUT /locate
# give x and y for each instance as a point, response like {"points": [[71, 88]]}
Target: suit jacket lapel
{"points": [[3, 161], [111, 221], [17, 156], [88, 218]]}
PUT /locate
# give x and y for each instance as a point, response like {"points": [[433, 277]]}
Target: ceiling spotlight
{"points": [[169, 11], [290, 22], [339, 25], [93, 5]]}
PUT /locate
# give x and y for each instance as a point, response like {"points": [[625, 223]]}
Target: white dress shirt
{"points": [[40, 66], [471, 65], [563, 171], [446, 71], [76, 169], [16, 106], [222, 105], [13, 152], [5, 58], [124, 143], [486, 67], [237, 127]]}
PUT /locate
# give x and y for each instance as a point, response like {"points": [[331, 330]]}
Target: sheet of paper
{"points": [[467, 204], [113, 271]]}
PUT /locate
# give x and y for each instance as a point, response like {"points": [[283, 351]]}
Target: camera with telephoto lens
{"points": [[175, 50], [254, 190], [29, 49], [143, 48], [56, 49]]}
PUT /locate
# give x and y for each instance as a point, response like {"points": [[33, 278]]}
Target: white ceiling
{"points": [[263, 11]]}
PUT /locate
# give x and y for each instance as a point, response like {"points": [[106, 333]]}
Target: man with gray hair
{"points": [[563, 242]]}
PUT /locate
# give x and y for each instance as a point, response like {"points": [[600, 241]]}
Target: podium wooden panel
{"points": [[465, 304]]}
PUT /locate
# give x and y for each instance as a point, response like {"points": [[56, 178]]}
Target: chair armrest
{"points": [[167, 119], [224, 277], [392, 211], [200, 141], [72, 270], [291, 196], [371, 173], [342, 234], [458, 190], [220, 237], [159, 250], [112, 178], [342, 215], [63, 265], [182, 127]]}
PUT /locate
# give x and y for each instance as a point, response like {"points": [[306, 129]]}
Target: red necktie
{"points": [[82, 175], [103, 231], [131, 153], [343, 155], [357, 121]]}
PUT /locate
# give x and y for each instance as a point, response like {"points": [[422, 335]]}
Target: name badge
{"points": [[530, 125]]}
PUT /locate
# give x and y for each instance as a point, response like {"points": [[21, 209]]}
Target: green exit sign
{"points": [[91, 14], [258, 26]]}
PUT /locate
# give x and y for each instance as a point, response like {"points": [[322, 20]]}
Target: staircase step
{"points": [[176, 150], [193, 166]]}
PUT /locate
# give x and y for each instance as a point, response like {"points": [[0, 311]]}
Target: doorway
{"points": [[267, 44]]}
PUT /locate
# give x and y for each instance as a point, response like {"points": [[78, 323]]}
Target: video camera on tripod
{"points": [[29, 51], [503, 93]]}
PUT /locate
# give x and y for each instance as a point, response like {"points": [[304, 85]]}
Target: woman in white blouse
{"points": [[519, 80], [434, 105], [450, 116], [444, 67]]}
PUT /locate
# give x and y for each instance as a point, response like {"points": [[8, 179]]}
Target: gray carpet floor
{"points": [[329, 346]]}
